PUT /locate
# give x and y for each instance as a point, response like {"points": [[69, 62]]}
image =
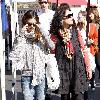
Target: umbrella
{"points": [[70, 2]]}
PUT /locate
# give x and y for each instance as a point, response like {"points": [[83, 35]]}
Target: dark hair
{"points": [[56, 24], [29, 15]]}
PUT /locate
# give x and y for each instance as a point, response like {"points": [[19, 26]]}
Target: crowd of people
{"points": [[54, 40]]}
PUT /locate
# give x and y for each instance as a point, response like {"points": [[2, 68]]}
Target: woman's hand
{"points": [[29, 33], [28, 28], [24, 28], [90, 41], [89, 74]]}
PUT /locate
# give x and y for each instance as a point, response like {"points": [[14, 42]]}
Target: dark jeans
{"points": [[97, 61]]}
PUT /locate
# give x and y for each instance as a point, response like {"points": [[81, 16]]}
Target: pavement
{"points": [[93, 95]]}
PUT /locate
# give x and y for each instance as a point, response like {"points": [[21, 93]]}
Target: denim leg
{"points": [[40, 91], [27, 88]]}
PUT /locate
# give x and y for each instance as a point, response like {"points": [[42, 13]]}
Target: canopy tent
{"points": [[71, 2]]}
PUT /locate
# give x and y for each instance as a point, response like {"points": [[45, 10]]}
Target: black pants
{"points": [[69, 96], [97, 61], [92, 80]]}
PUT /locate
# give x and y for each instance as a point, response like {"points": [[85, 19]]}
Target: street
{"points": [[93, 95]]}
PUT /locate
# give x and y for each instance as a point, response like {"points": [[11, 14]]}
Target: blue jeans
{"points": [[32, 92]]}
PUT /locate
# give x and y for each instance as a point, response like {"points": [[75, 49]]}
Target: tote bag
{"points": [[52, 73]]}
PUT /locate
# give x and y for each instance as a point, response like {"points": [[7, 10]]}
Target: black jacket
{"points": [[72, 72]]}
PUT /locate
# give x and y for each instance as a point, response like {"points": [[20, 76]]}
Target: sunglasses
{"points": [[68, 16], [30, 24], [43, 2]]}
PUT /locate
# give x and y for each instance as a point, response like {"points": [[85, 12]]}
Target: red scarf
{"points": [[70, 49], [69, 46]]}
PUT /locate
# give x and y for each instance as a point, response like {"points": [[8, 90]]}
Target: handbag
{"points": [[52, 73]]}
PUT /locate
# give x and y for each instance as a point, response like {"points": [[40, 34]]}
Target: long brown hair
{"points": [[94, 10], [29, 15]]}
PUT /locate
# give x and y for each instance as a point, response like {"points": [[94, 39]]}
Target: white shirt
{"points": [[45, 20]]}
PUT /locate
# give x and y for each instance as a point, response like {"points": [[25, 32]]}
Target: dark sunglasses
{"points": [[43, 2], [68, 16], [30, 24]]}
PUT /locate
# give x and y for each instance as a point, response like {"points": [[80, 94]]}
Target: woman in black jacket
{"points": [[68, 53]]}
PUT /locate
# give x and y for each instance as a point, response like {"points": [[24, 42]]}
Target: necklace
{"points": [[66, 34]]}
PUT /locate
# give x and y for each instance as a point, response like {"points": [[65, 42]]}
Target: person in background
{"points": [[96, 19], [28, 55], [98, 54], [73, 79], [88, 57], [81, 27], [45, 17], [93, 38]]}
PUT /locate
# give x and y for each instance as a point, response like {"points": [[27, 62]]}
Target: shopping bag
{"points": [[52, 73]]}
